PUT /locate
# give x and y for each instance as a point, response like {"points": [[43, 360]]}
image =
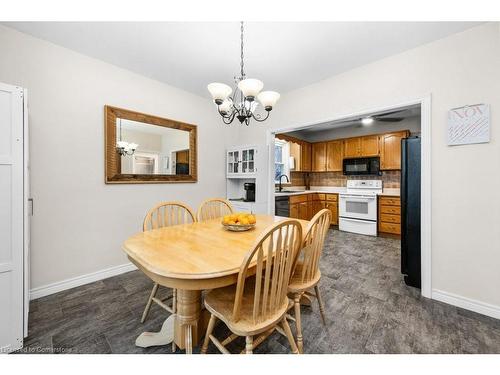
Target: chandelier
{"points": [[242, 104], [124, 148]]}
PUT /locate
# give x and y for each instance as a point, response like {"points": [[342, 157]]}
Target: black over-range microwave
{"points": [[362, 166]]}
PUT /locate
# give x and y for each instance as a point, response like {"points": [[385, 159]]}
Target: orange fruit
{"points": [[252, 219], [244, 221]]}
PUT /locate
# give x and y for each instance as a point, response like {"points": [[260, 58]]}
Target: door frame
{"points": [[426, 201]]}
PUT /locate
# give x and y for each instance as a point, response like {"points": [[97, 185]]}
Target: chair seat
{"points": [[220, 302], [297, 285]]}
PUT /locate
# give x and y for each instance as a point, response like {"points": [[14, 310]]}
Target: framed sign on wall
{"points": [[469, 124]]}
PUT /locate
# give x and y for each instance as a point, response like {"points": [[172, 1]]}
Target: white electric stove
{"points": [[358, 207]]}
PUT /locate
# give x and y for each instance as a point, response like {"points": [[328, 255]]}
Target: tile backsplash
{"points": [[390, 179]]}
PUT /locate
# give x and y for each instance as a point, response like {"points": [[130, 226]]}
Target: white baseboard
{"points": [[467, 303], [59, 286]]}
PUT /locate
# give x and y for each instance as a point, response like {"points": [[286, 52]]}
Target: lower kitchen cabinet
{"points": [[305, 206], [389, 215], [300, 206], [332, 204]]}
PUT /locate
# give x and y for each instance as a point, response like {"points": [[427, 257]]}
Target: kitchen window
{"points": [[281, 159]]}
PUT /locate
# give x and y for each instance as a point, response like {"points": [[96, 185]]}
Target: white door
{"points": [[12, 206]]}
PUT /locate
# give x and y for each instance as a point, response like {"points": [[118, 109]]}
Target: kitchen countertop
{"points": [[332, 190]]}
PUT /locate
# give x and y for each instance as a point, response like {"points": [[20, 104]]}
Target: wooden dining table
{"points": [[192, 258]]}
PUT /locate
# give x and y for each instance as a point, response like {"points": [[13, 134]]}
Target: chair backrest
{"points": [[313, 243], [273, 257], [166, 214], [214, 208]]}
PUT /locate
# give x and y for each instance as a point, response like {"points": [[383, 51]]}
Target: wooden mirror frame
{"points": [[112, 159]]}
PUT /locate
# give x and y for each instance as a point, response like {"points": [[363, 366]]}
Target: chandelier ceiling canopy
{"points": [[243, 103]]}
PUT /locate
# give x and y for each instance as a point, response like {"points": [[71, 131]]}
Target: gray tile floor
{"points": [[369, 310]]}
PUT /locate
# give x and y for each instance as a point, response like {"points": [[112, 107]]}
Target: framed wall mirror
{"points": [[142, 149]]}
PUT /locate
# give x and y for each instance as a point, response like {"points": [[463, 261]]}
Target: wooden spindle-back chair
{"points": [[165, 214], [258, 302], [306, 274], [214, 208]]}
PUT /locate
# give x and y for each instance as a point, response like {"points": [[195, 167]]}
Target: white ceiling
{"points": [[286, 56]]}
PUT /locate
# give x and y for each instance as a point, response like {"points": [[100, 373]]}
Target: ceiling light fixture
{"points": [[367, 120], [124, 148], [242, 104]]}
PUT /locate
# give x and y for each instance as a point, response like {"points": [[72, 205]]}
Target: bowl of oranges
{"points": [[239, 222]]}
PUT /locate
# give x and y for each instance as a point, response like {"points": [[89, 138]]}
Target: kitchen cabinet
{"points": [[300, 207], [390, 150], [332, 204], [294, 210], [304, 211], [352, 147], [319, 157], [334, 156], [306, 164], [305, 206], [296, 154], [361, 147], [389, 217], [301, 152], [369, 146], [318, 203]]}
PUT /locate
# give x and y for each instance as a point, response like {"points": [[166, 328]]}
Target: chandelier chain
{"points": [[242, 63]]}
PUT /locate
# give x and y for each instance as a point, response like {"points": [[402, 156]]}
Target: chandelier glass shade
{"points": [[245, 99]]}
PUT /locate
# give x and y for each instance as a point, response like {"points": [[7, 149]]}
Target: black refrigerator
{"points": [[410, 211]]}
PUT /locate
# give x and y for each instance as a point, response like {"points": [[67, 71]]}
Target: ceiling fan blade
{"points": [[390, 113], [352, 121], [389, 119]]}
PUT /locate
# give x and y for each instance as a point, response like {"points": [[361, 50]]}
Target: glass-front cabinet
{"points": [[241, 162]]}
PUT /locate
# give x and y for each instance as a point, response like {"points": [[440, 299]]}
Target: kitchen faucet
{"points": [[287, 180]]}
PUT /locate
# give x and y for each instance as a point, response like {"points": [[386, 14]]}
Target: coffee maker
{"points": [[249, 192]]}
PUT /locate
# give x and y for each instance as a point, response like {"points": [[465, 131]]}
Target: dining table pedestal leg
{"points": [[188, 331]]}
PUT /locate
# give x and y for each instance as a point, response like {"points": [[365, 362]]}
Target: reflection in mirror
{"points": [[148, 149]]}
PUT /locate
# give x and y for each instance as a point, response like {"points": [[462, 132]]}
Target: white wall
{"points": [[79, 222], [461, 69]]}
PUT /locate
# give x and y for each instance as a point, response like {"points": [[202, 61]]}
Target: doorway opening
{"points": [[373, 135]]}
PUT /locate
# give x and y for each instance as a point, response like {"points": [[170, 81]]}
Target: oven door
{"points": [[362, 207]]}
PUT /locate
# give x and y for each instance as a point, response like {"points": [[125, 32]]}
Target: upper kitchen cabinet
{"points": [[295, 155], [334, 156], [352, 147], [361, 147], [369, 146], [301, 153], [319, 157], [390, 150], [305, 162]]}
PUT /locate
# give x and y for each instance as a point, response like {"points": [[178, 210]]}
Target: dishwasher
{"points": [[282, 205]]}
